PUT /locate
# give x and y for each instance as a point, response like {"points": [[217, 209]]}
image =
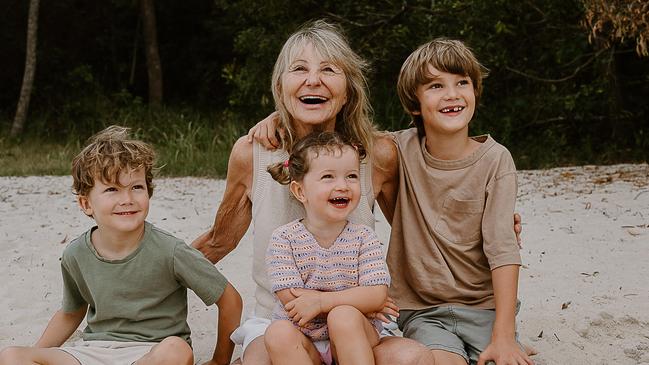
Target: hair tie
{"points": [[287, 162]]}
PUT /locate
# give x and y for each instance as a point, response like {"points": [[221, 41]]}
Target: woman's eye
{"points": [[298, 69]]}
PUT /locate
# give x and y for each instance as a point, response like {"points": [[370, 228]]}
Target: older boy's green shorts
{"points": [[460, 330]]}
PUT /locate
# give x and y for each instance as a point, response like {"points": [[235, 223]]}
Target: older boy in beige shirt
{"points": [[453, 253]]}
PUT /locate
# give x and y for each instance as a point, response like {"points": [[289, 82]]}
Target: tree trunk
{"points": [[154, 68], [30, 69]]}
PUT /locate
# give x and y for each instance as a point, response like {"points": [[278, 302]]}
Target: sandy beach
{"points": [[584, 284]]}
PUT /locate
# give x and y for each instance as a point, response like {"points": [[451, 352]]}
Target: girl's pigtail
{"points": [[280, 172]]}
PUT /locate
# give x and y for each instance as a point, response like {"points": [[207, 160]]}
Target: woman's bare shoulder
{"points": [[240, 164], [384, 154]]}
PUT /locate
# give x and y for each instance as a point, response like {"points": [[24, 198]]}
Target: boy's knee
{"points": [[175, 350], [280, 334], [402, 351]]}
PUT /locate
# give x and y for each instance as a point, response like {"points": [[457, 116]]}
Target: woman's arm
{"points": [[235, 212], [61, 327]]}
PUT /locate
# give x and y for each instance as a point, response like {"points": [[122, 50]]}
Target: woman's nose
{"points": [[313, 78]]}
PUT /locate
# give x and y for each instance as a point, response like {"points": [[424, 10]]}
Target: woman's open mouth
{"points": [[313, 99]]}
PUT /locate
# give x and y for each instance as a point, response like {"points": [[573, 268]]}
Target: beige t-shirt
{"points": [[452, 225], [273, 206]]}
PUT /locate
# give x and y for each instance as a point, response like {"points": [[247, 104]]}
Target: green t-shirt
{"points": [[142, 297]]}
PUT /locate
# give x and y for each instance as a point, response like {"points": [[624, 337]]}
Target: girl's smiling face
{"points": [[331, 189]]}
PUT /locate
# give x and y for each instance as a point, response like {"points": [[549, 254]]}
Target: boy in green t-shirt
{"points": [[128, 276]]}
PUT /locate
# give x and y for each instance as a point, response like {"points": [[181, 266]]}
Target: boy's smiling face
{"points": [[447, 103], [119, 209]]}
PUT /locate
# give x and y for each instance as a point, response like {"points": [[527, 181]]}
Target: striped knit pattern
{"points": [[295, 260]]}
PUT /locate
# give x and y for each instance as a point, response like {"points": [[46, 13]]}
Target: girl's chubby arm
{"points": [[235, 212], [310, 303], [61, 327], [230, 306]]}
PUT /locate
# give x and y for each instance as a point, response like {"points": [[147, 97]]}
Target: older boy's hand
{"points": [[267, 131], [306, 305], [504, 352]]}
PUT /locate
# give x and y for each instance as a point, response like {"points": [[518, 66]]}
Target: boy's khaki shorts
{"points": [[108, 352], [460, 330]]}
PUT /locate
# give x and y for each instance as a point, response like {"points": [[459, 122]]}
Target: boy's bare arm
{"points": [[230, 307], [385, 173], [266, 131], [504, 349], [61, 327], [235, 211]]}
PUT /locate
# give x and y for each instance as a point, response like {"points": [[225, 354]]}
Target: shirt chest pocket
{"points": [[460, 220]]}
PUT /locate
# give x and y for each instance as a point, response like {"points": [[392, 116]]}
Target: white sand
{"points": [[584, 286]]}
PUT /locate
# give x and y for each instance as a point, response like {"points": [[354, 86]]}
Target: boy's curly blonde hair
{"points": [[107, 154]]}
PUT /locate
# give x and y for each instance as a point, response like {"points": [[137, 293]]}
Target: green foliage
{"points": [[552, 97], [187, 143]]}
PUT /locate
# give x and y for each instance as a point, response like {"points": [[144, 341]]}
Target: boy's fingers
{"points": [[251, 133], [272, 138]]}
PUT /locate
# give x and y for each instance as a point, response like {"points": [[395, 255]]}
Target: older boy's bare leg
{"points": [[256, 353], [446, 357], [395, 350], [172, 351], [35, 356]]}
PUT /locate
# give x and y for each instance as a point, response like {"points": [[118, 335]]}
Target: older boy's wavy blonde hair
{"points": [[107, 154], [447, 55], [354, 120]]}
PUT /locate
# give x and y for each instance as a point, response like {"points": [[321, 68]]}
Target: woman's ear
{"points": [[84, 204], [297, 190]]}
